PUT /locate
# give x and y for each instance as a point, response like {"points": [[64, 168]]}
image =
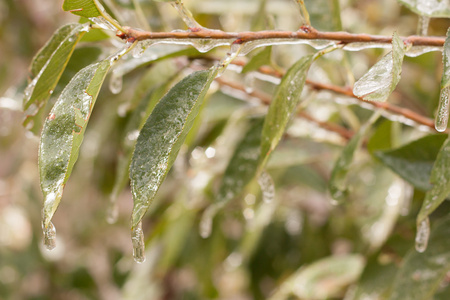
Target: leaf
{"points": [[338, 181], [421, 273], [379, 82], [63, 133], [46, 69], [382, 137], [323, 279], [440, 178], [260, 59], [443, 107], [162, 136], [414, 161], [84, 8], [285, 101], [325, 15], [429, 8]]}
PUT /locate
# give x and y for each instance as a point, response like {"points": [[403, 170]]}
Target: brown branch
{"points": [[305, 33], [266, 99]]}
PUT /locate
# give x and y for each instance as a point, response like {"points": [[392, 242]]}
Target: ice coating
{"points": [[422, 235]]}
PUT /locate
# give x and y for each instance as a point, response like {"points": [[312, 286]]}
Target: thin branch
{"points": [[305, 33]]}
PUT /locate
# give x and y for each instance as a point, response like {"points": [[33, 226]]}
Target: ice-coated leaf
{"points": [[443, 110], [337, 184], [63, 133], [323, 279], [260, 59], [162, 136], [421, 273], [285, 101], [47, 67], [440, 178], [414, 161], [84, 8], [429, 8], [379, 82]]}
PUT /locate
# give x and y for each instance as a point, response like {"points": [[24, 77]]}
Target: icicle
{"points": [[443, 110], [137, 238], [139, 49], [112, 212], [249, 82], [185, 14], [422, 235], [103, 23], [422, 26], [205, 227], [116, 82], [362, 46], [49, 236], [234, 51], [419, 50], [267, 186]]}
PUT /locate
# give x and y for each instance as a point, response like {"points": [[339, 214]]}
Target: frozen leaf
{"points": [[162, 136], [338, 181], [443, 107], [260, 59], [414, 161], [440, 178], [285, 101], [63, 133], [379, 82], [429, 8], [421, 273], [46, 69]]}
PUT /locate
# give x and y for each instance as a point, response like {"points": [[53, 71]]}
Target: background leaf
{"points": [[258, 60], [429, 8], [162, 136]]}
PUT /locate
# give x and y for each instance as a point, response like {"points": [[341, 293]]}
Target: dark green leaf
{"points": [[421, 273], [380, 81], [47, 67], [440, 178], [162, 136], [63, 133], [414, 161], [285, 101], [260, 59]]}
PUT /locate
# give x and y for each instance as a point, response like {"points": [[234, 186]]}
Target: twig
{"points": [[305, 33]]}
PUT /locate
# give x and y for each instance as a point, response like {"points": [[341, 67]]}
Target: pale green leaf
{"points": [[162, 136], [47, 67], [337, 184], [440, 178], [380, 81], [421, 273], [84, 8], [429, 8], [414, 161], [285, 101], [63, 133], [445, 81], [260, 59]]}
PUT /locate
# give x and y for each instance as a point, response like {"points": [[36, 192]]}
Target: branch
{"points": [[305, 33]]}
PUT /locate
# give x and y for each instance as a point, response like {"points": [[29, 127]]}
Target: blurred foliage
{"points": [[301, 245]]}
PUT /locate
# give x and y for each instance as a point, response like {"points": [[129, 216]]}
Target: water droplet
{"points": [[49, 236], [137, 238], [116, 82], [267, 186], [443, 110], [422, 235]]}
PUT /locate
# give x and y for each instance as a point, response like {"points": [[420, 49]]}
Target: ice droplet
{"points": [[443, 110], [267, 186], [223, 64], [103, 23], [249, 82], [49, 236], [422, 235], [205, 227], [139, 49], [137, 238], [116, 82]]}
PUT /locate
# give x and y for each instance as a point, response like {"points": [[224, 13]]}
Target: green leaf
{"points": [[429, 8], [63, 133], [260, 59], [46, 69], [380, 81], [84, 8], [443, 107], [445, 80], [421, 273], [285, 101], [338, 181], [324, 15], [324, 279], [382, 138], [162, 136], [414, 161], [243, 164], [440, 178]]}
